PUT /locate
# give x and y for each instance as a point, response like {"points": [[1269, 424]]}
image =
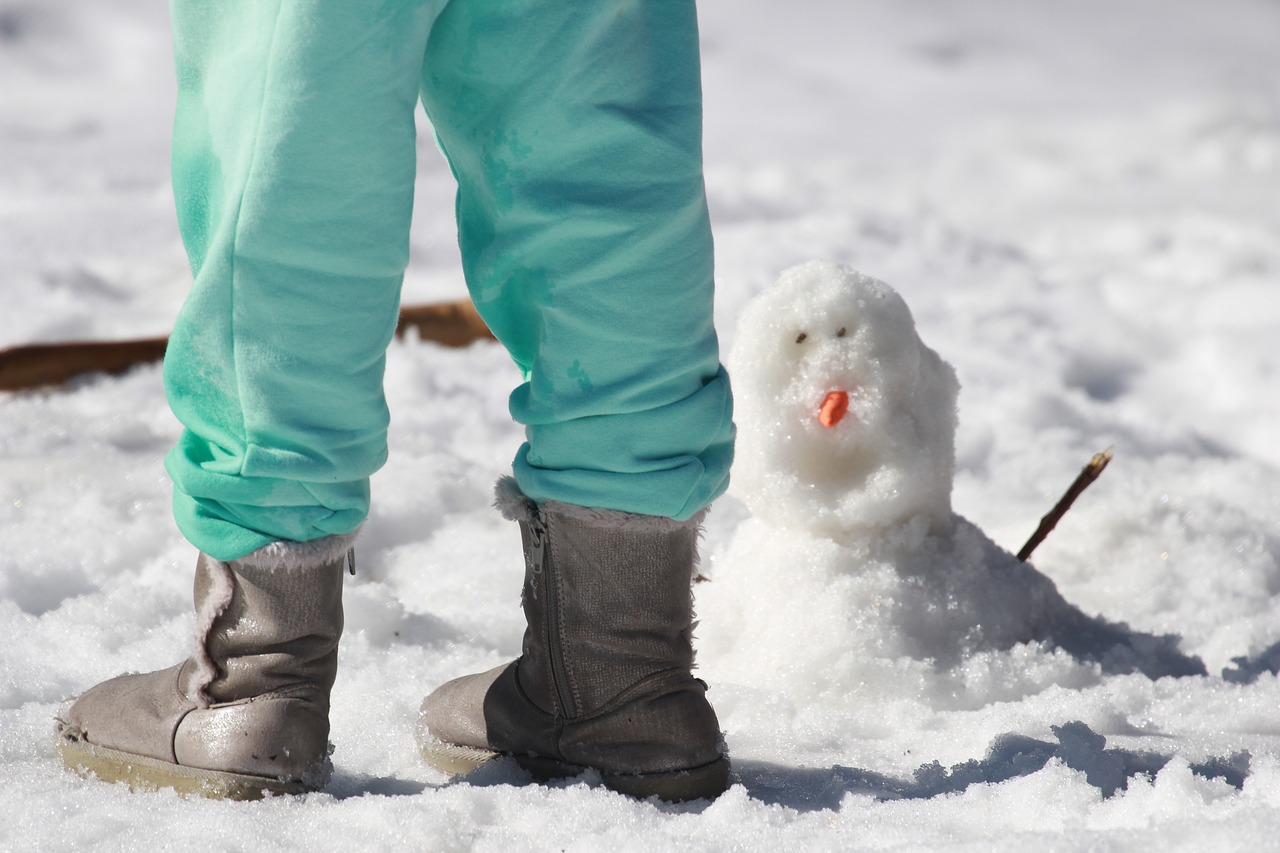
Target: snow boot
{"points": [[248, 713], [604, 681]]}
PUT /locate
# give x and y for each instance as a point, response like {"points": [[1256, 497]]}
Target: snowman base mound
{"points": [[904, 611]]}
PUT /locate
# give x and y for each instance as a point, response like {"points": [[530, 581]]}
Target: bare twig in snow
{"points": [[1087, 476]]}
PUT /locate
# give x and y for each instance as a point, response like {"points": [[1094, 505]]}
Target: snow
{"points": [[1076, 200]]}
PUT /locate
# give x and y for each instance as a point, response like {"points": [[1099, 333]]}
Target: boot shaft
{"points": [[608, 600], [269, 628], [274, 620]]}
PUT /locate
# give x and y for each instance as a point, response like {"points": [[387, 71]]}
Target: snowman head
{"points": [[846, 421]]}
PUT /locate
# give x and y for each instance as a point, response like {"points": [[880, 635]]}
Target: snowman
{"points": [[854, 573]]}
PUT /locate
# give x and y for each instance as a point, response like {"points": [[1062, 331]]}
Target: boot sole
{"points": [[677, 786], [141, 773], [454, 759], [698, 783]]}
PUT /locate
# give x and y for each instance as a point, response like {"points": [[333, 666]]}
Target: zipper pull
{"points": [[351, 561], [537, 554]]}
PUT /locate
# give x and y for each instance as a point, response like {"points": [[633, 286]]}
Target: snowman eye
{"points": [[800, 338], [840, 334]]}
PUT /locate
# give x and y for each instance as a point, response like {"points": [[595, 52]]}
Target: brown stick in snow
{"points": [[1087, 476], [453, 324]]}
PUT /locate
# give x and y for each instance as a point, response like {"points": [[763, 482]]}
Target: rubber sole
{"points": [[148, 774], [454, 759], [677, 786], [698, 783]]}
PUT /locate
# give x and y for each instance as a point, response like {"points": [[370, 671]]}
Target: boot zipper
{"points": [[538, 558]]}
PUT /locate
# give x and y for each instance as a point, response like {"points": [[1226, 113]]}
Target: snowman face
{"points": [[846, 420]]}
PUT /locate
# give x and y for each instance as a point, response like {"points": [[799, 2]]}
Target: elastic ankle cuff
{"points": [[296, 556], [515, 506]]}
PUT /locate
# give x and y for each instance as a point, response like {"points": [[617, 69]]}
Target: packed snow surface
{"points": [[1078, 203]]}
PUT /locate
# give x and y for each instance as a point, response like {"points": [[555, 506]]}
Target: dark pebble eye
{"points": [[840, 334], [800, 337]]}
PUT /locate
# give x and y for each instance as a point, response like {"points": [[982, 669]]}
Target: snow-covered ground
{"points": [[1080, 203]]}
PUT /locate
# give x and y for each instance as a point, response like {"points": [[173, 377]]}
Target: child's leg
{"points": [[293, 169], [574, 130], [575, 134]]}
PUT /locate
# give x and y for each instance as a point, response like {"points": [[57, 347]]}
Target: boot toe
{"points": [[454, 712], [136, 713]]}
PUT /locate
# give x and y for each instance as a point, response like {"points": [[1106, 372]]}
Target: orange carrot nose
{"points": [[834, 408]]}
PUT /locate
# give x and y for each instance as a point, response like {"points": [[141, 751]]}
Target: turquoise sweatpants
{"points": [[574, 132]]}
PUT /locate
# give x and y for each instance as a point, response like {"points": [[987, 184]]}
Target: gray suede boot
{"points": [[248, 713], [604, 681]]}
